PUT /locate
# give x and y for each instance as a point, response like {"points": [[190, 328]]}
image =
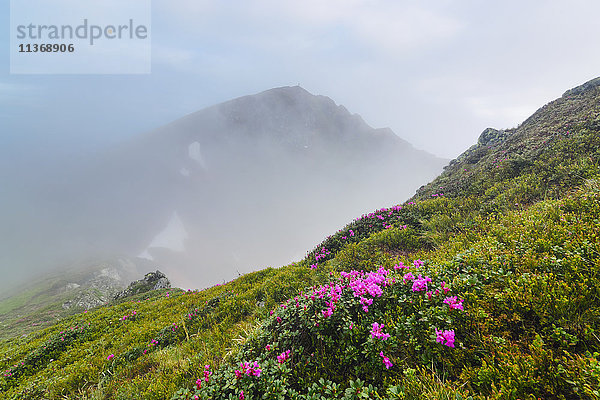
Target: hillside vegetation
{"points": [[42, 302], [484, 285]]}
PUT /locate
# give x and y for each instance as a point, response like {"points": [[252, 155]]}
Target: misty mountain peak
{"points": [[292, 114]]}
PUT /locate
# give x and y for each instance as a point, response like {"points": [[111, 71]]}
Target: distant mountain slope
{"points": [[48, 298], [203, 195]]}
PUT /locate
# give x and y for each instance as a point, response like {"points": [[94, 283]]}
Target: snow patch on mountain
{"points": [[172, 237], [184, 172], [196, 155]]}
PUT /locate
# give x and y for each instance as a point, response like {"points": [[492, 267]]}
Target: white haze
{"points": [[265, 178]]}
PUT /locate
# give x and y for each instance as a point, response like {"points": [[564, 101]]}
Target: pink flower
{"points": [[245, 369], [366, 303], [420, 284], [207, 373], [283, 357], [242, 395], [400, 265], [445, 337], [377, 333], [198, 383], [110, 357], [386, 361], [268, 347], [254, 370], [454, 303], [418, 263], [445, 288], [408, 277]]}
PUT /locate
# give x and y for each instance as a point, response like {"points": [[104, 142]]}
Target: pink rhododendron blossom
{"points": [[377, 333], [386, 361], [254, 370], [420, 284], [445, 337], [454, 303], [207, 373], [366, 303], [445, 288], [328, 312], [283, 357], [400, 265], [245, 369]]}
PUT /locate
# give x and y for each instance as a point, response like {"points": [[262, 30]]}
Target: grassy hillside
{"points": [[485, 285], [42, 302]]}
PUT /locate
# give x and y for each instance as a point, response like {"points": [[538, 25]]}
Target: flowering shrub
{"points": [[45, 353], [336, 330]]}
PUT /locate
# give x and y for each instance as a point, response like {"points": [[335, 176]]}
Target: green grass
{"points": [[32, 309]]}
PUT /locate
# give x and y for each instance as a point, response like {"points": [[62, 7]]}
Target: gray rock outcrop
{"points": [[151, 281]]}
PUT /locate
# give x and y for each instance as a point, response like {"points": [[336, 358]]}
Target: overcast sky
{"points": [[436, 72]]}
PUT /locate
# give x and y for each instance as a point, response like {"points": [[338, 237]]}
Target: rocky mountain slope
{"points": [[41, 302]]}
